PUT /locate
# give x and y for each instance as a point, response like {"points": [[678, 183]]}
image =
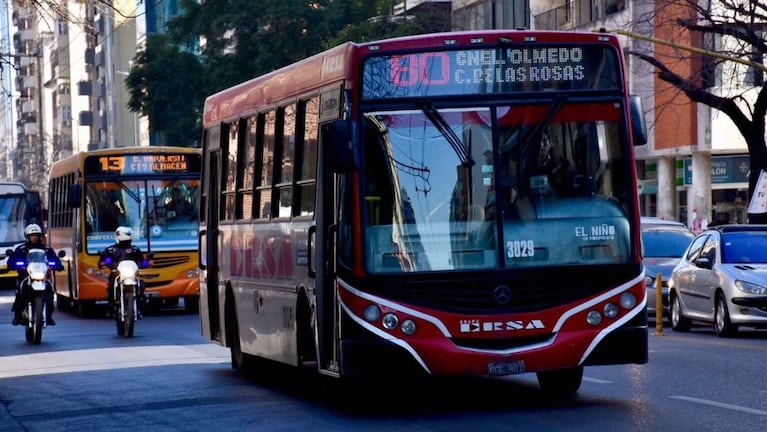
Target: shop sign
{"points": [[724, 169]]}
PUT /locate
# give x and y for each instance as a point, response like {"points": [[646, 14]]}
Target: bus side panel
{"points": [[265, 266]]}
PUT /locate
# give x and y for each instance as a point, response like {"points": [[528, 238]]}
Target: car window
{"points": [[744, 247], [697, 245], [709, 249], [665, 243]]}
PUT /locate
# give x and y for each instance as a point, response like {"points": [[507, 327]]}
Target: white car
{"points": [[722, 279]]}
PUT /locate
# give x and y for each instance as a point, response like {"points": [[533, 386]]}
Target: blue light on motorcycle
{"points": [[145, 263], [108, 260]]}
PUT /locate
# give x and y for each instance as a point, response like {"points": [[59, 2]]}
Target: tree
{"points": [[236, 40], [734, 32], [168, 86]]}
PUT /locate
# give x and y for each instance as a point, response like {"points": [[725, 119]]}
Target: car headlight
{"points": [[750, 288]]}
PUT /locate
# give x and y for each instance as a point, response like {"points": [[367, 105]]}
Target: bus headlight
{"points": [[611, 310], [628, 300], [408, 327], [594, 318], [372, 313], [390, 321]]}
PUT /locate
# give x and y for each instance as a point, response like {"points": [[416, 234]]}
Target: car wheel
{"points": [[678, 322], [722, 324]]}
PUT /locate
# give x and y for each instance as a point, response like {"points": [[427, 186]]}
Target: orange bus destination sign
{"points": [[133, 164]]}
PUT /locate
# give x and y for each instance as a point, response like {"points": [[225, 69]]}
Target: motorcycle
{"points": [[126, 292], [35, 286]]}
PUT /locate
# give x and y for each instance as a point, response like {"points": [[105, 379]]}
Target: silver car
{"points": [[663, 244], [722, 279]]}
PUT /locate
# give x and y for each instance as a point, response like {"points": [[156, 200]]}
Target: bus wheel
{"points": [[85, 309], [241, 362], [192, 303], [561, 384], [63, 303], [170, 302]]}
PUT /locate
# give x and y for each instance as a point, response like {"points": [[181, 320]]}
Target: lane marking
{"points": [[597, 380], [720, 405]]}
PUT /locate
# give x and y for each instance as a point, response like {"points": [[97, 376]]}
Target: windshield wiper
{"points": [[439, 122], [132, 194]]}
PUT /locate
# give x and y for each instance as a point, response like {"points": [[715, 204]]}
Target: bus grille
{"points": [[169, 261], [527, 293]]}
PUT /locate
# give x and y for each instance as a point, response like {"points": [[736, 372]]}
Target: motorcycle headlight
{"points": [[37, 270], [127, 269]]}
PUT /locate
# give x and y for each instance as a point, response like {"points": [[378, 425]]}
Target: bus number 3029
{"points": [[520, 249]]}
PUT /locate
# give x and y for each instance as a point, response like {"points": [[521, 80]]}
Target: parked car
{"points": [[722, 279], [663, 244]]}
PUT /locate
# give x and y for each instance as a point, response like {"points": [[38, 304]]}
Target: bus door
{"points": [[324, 249], [209, 235]]}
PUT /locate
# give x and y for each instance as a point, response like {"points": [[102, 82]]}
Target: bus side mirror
{"points": [[74, 196], [337, 139], [638, 124]]}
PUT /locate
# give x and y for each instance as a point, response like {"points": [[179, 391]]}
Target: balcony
{"points": [[28, 106]]}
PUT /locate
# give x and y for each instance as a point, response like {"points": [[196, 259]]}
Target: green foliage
{"points": [[237, 40], [168, 86]]}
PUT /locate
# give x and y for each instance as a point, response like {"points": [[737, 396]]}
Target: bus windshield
{"points": [[527, 186], [162, 213], [13, 218]]}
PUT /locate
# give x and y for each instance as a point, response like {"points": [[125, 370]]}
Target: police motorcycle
{"points": [[126, 292], [36, 285]]}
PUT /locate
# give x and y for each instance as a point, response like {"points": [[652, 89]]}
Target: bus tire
{"points": [[63, 304], [192, 303], [242, 362], [562, 383]]}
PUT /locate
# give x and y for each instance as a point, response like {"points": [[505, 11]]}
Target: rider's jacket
{"points": [[20, 254], [118, 253]]}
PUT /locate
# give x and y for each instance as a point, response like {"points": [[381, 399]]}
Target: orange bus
{"points": [[443, 204], [153, 190]]}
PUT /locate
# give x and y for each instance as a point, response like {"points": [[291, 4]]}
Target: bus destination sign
{"points": [[484, 71], [134, 164]]}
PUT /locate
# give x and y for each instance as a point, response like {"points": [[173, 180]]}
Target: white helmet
{"points": [[123, 233], [32, 229]]}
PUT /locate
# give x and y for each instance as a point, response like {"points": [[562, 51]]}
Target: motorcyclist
{"points": [[111, 257], [33, 234]]}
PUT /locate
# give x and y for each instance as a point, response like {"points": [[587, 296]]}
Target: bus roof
{"points": [[336, 65], [11, 187]]}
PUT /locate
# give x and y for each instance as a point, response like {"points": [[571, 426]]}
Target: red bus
{"points": [[446, 204]]}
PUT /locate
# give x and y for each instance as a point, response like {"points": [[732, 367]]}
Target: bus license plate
{"points": [[506, 368]]}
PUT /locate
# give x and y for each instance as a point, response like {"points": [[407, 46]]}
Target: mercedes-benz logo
{"points": [[502, 294]]}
